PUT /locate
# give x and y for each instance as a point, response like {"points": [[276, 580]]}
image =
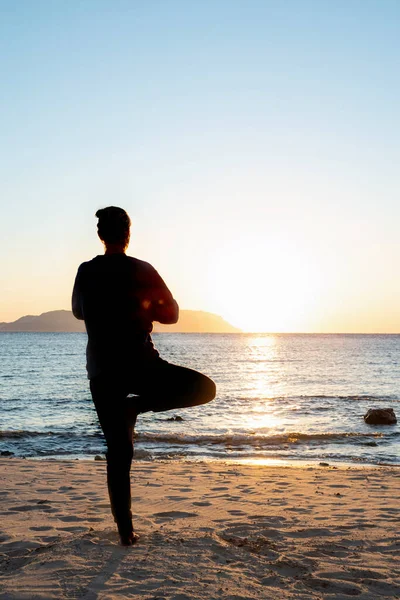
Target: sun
{"points": [[266, 285]]}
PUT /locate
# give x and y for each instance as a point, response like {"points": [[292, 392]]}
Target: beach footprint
{"points": [[172, 515]]}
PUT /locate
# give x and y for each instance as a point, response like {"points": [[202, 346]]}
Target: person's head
{"points": [[113, 228]]}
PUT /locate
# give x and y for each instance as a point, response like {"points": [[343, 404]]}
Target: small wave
{"points": [[356, 398], [314, 398], [21, 433], [255, 440], [18, 433], [351, 398]]}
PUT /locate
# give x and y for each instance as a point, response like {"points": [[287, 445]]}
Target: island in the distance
{"points": [[190, 321]]}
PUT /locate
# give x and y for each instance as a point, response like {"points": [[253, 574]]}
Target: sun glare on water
{"points": [[266, 286]]}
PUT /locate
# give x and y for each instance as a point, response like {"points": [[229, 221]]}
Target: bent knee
{"points": [[209, 390]]}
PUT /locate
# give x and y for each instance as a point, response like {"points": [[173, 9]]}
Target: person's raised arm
{"points": [[162, 306]]}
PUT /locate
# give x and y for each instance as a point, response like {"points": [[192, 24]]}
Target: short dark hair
{"points": [[113, 226]]}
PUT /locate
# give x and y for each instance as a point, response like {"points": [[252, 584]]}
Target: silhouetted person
{"points": [[119, 297]]}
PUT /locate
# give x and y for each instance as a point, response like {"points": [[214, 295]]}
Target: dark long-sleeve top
{"points": [[119, 297]]}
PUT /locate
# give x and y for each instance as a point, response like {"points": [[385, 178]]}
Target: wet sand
{"points": [[208, 530]]}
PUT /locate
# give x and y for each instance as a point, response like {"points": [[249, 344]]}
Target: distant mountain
{"points": [[190, 321], [198, 321], [56, 320]]}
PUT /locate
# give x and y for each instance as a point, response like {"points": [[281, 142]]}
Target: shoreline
{"points": [[256, 462], [208, 530]]}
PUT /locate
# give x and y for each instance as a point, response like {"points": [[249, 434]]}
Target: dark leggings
{"points": [[159, 386]]}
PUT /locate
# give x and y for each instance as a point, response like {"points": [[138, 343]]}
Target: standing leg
{"points": [[117, 424]]}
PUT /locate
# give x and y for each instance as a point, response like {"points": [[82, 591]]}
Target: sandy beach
{"points": [[208, 530]]}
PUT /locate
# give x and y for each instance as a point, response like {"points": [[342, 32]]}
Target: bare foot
{"points": [[130, 539]]}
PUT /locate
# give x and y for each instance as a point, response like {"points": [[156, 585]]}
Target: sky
{"points": [[254, 143]]}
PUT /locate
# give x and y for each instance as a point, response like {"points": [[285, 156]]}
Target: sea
{"points": [[280, 398]]}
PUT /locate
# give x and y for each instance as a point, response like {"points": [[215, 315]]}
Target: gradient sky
{"points": [[255, 144]]}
